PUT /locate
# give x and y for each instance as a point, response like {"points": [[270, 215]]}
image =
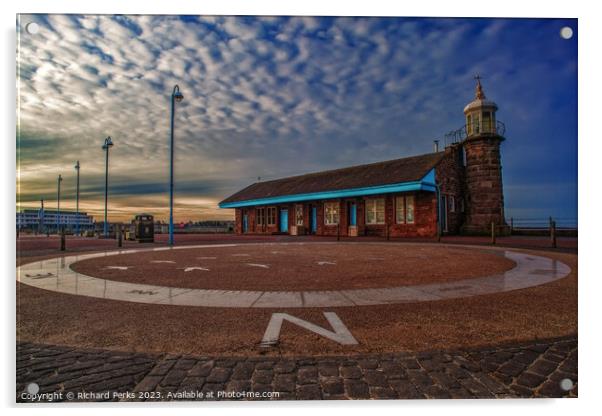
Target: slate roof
{"points": [[409, 169]]}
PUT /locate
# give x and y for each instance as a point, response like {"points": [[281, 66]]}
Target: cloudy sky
{"points": [[275, 96]]}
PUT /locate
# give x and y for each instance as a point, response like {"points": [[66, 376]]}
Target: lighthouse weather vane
{"points": [[479, 91]]}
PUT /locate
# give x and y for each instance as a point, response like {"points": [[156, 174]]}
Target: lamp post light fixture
{"points": [[58, 205], [77, 200], [176, 96], [106, 146]]}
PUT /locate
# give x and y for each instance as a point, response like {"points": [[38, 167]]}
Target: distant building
{"points": [[457, 190], [41, 220]]}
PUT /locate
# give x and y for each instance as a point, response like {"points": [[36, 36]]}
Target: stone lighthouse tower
{"points": [[484, 190]]}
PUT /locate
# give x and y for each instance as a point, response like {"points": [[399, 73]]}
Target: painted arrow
{"points": [[190, 269], [263, 266]]}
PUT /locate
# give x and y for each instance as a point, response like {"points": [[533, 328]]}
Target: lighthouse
{"points": [[483, 175]]}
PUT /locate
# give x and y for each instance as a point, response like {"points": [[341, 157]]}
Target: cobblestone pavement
{"points": [[523, 370]]}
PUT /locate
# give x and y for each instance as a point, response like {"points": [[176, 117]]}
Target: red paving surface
{"points": [[534, 313], [299, 267], [544, 311]]}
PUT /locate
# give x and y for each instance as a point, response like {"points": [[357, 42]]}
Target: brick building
{"points": [[457, 190]]}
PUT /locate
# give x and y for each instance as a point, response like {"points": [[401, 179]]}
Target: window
{"points": [[271, 215], [331, 213], [404, 209], [461, 204], [400, 210], [452, 204], [260, 216], [375, 211], [410, 209], [487, 121], [299, 214]]}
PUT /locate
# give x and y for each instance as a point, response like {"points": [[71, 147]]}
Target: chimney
{"points": [[436, 145]]}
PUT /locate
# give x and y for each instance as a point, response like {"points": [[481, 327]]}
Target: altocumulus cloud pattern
{"points": [[276, 96]]}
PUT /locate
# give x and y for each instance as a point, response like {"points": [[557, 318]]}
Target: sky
{"points": [[269, 97]]}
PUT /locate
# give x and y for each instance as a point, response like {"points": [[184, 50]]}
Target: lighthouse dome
{"points": [[480, 114], [479, 103]]}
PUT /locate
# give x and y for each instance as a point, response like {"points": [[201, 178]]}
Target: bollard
{"points": [[119, 237], [388, 232], [62, 240], [553, 233], [492, 232], [338, 232]]}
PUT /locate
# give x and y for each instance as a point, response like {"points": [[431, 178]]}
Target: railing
{"points": [[541, 226], [473, 129]]}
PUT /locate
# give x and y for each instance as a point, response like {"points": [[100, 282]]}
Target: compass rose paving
{"points": [[542, 314]]}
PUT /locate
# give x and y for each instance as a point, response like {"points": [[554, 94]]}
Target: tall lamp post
{"points": [[58, 205], [77, 200], [108, 144], [176, 96]]}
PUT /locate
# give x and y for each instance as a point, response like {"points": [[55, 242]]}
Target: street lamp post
{"points": [[108, 144], [58, 205], [176, 96], [77, 200]]}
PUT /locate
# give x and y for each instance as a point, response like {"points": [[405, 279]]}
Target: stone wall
{"points": [[484, 190], [449, 174]]}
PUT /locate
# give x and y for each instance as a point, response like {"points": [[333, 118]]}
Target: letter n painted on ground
{"points": [[339, 334]]}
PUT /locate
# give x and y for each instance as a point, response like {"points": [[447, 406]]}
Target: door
{"points": [[245, 223], [353, 215], [284, 220], [443, 209], [314, 219]]}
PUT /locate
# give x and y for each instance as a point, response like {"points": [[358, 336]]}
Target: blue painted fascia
{"points": [[429, 178], [427, 183]]}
